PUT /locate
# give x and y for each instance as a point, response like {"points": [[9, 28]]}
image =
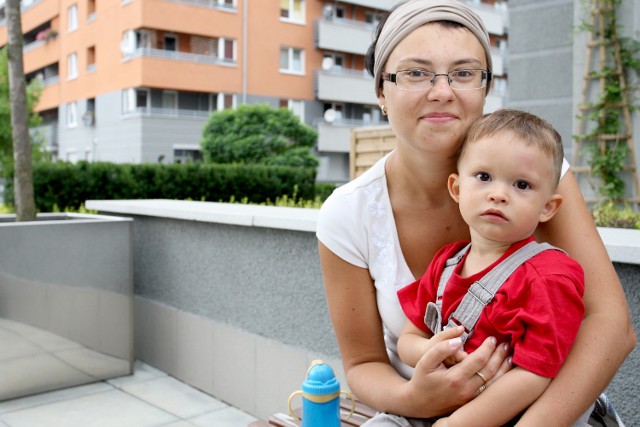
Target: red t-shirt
{"points": [[538, 310]]}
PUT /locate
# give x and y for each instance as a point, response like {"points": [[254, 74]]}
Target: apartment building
{"points": [[134, 81]]}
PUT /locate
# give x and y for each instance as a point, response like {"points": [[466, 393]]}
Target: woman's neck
{"points": [[419, 180]]}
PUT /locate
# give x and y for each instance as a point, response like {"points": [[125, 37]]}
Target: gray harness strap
{"points": [[480, 293]]}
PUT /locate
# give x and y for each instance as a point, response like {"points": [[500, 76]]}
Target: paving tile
{"points": [[181, 423], [227, 417], [141, 372], [53, 396], [38, 373], [174, 396], [108, 409]]}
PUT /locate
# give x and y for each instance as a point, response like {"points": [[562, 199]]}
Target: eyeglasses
{"points": [[417, 79]]}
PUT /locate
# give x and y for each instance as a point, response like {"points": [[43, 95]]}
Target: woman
{"points": [[379, 232]]}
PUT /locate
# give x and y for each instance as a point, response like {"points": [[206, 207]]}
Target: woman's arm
{"points": [[433, 390], [606, 335], [501, 402]]}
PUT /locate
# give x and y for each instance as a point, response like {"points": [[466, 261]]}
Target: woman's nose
{"points": [[440, 88]]}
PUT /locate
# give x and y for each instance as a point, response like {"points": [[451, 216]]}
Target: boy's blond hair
{"points": [[526, 126]]}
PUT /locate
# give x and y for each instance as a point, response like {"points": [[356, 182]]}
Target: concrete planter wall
{"points": [[66, 302], [229, 298]]}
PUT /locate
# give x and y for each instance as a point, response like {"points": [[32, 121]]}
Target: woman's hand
{"points": [[450, 388]]}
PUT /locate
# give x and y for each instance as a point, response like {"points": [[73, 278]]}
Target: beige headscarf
{"points": [[415, 13]]}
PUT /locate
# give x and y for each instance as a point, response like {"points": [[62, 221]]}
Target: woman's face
{"points": [[437, 118]]}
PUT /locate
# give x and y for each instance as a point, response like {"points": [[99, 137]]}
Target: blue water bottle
{"points": [[321, 397]]}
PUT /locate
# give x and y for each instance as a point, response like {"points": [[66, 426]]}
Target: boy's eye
{"points": [[483, 176], [522, 185]]}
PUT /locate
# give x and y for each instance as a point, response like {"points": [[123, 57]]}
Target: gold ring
{"points": [[481, 376], [482, 388]]}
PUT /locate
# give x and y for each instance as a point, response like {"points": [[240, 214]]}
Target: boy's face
{"points": [[504, 188]]}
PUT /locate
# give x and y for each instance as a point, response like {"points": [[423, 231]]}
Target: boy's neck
{"points": [[482, 254]]}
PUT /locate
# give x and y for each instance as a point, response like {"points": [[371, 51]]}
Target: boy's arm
{"points": [[501, 402], [412, 344]]}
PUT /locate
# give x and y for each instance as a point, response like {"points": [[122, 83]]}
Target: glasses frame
{"points": [[392, 77]]}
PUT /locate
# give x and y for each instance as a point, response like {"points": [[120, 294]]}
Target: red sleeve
{"points": [[414, 297], [544, 318]]}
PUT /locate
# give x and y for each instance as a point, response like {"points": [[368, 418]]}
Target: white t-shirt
{"points": [[356, 223]]}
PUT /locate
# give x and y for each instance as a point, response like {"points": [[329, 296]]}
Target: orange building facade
{"points": [[134, 81]]}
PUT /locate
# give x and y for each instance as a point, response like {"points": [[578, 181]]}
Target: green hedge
{"points": [[68, 185]]}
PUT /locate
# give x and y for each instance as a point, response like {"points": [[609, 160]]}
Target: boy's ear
{"points": [[454, 187], [551, 207]]}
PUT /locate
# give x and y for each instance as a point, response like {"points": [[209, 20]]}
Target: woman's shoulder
{"points": [[368, 187], [348, 215]]}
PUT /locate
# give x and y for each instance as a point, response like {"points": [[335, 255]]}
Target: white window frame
{"points": [[297, 108], [290, 8], [130, 99], [72, 18], [72, 66], [72, 114], [221, 49], [290, 51], [217, 101]]}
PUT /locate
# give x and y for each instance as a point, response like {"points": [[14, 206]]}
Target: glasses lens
{"points": [[423, 80], [414, 79], [468, 79]]}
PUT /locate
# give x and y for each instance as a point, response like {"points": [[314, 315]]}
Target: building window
{"points": [[91, 10], [72, 17], [170, 42], [72, 66], [91, 59], [292, 10], [372, 18], [296, 107], [222, 101], [292, 60], [228, 49], [170, 101], [72, 114], [135, 100]]}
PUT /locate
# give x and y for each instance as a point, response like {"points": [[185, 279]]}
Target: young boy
{"points": [[508, 170]]}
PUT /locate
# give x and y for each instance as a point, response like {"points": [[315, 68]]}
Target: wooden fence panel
{"points": [[368, 145]]}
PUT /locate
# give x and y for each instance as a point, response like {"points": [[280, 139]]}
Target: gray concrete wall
{"points": [[66, 302], [229, 298], [547, 64], [261, 280], [541, 61], [625, 388]]}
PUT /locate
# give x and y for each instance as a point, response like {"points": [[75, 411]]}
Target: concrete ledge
{"points": [[623, 245], [221, 213]]}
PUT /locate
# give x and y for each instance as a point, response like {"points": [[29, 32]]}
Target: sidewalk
{"points": [[147, 398]]}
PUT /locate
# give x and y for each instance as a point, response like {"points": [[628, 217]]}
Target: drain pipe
{"points": [[245, 12]]}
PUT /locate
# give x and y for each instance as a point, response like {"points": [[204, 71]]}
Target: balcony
{"points": [[336, 136], [339, 85], [343, 35], [211, 4], [374, 4], [178, 56]]}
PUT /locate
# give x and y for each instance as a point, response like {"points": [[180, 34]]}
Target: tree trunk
{"points": [[23, 172]]}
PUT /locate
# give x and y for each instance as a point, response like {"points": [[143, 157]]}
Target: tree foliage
{"points": [[258, 134], [34, 90]]}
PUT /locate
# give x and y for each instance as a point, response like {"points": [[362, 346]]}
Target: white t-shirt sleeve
{"points": [[340, 230], [565, 167]]}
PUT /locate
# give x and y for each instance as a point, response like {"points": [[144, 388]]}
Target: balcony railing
{"points": [[179, 56], [212, 4], [166, 112]]}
